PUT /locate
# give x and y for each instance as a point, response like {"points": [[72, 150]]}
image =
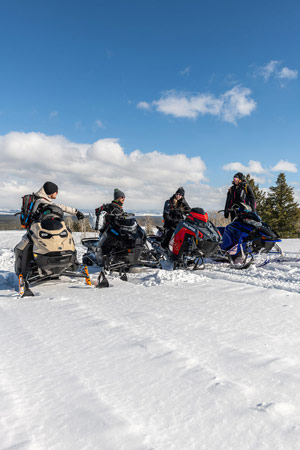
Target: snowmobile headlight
{"points": [[63, 234], [45, 235]]}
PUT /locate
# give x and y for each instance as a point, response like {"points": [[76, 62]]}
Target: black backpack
{"points": [[26, 214]]}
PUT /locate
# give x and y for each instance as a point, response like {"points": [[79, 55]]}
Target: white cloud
{"points": [[285, 166], [253, 167], [87, 173], [286, 73], [260, 173], [98, 124], [185, 71], [230, 106], [275, 69], [268, 70], [144, 105]]}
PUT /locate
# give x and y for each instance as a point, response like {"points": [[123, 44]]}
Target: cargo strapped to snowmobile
{"points": [[26, 215]]}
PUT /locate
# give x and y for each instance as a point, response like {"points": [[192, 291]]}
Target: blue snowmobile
{"points": [[246, 238]]}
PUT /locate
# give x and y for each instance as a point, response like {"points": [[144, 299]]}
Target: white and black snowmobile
{"points": [[47, 251], [125, 247]]}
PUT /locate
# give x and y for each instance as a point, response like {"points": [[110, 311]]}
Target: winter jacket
{"points": [[239, 194], [43, 198], [173, 211]]}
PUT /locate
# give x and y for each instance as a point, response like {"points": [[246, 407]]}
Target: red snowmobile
{"points": [[194, 239]]}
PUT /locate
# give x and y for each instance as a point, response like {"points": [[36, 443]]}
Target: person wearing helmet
{"points": [[240, 193], [175, 209]]}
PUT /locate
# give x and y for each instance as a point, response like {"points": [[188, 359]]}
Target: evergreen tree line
{"points": [[278, 207]]}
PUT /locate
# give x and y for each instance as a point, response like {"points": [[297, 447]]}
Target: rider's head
{"points": [[238, 178], [179, 193], [51, 189], [119, 196]]}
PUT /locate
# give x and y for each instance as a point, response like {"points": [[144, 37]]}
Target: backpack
{"points": [[26, 214], [100, 218]]}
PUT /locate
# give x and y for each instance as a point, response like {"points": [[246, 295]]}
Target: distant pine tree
{"points": [[281, 210], [260, 196]]}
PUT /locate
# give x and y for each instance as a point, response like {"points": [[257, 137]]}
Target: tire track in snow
{"points": [[275, 275]]}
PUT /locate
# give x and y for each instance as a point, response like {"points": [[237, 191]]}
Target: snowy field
{"points": [[206, 360]]}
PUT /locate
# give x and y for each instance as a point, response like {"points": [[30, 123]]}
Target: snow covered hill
{"points": [[204, 360]]}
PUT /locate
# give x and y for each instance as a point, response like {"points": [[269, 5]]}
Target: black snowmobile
{"points": [[47, 251], [126, 247], [194, 239]]}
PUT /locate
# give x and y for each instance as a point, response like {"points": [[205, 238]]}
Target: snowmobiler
{"points": [[246, 237], [239, 193], [175, 210], [50, 253], [124, 246], [121, 244], [194, 239], [47, 249]]}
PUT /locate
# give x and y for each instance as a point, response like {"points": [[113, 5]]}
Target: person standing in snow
{"points": [[174, 210], [240, 193]]}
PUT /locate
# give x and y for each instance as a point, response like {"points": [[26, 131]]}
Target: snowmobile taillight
{"points": [[45, 235]]}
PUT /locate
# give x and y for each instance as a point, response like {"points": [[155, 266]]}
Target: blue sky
{"points": [[218, 81]]}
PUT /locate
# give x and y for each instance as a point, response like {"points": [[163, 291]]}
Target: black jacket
{"points": [[173, 211], [239, 194]]}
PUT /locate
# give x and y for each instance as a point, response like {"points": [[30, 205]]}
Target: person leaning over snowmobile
{"points": [[112, 209], [174, 210], [240, 193], [43, 196]]}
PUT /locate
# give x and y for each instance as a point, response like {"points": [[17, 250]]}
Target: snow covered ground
{"points": [[204, 360]]}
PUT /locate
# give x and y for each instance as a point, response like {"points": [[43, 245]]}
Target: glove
{"points": [[226, 213], [79, 215]]}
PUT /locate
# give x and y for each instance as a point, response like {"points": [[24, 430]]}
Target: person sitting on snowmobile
{"points": [[240, 193], [44, 196], [174, 210], [112, 209]]}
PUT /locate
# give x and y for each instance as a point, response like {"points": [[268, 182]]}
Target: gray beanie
{"points": [[118, 194]]}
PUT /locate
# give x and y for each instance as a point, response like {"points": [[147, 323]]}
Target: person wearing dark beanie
{"points": [[47, 194], [240, 193], [42, 197], [50, 187], [118, 194], [174, 211], [109, 212]]}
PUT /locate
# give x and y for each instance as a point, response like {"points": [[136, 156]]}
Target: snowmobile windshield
{"points": [[251, 218], [198, 216], [52, 210], [51, 223], [127, 224]]}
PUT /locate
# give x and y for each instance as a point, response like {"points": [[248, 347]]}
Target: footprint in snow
{"points": [[278, 409]]}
